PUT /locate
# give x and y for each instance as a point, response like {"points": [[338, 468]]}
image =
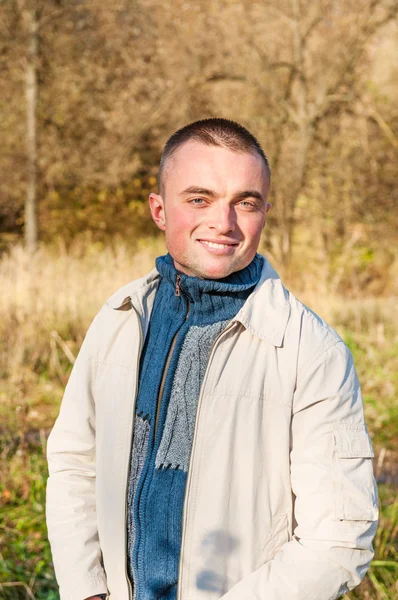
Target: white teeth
{"points": [[214, 245]]}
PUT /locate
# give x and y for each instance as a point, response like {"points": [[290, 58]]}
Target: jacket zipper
{"points": [[194, 443], [128, 302], [162, 384], [178, 285]]}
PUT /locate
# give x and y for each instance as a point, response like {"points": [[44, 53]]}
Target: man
{"points": [[211, 442]]}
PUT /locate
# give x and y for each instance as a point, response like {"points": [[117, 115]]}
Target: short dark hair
{"points": [[212, 132]]}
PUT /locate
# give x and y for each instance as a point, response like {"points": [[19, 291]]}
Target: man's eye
{"points": [[247, 204], [197, 201]]}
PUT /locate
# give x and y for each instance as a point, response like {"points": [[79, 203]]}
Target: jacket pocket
{"points": [[354, 485]]}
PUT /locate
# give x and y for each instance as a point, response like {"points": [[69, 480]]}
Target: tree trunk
{"points": [[31, 227]]}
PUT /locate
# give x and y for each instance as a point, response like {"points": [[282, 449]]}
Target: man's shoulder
{"points": [[275, 314], [117, 311], [136, 288], [313, 321], [317, 337], [137, 294]]}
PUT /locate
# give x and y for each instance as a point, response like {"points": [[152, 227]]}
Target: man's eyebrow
{"points": [[249, 194], [193, 189]]}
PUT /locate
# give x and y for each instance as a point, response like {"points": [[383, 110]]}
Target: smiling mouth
{"points": [[218, 245]]}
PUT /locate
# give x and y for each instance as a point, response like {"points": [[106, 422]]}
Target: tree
{"points": [[319, 72], [31, 23]]}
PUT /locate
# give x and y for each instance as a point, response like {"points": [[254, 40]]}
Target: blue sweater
{"points": [[188, 314]]}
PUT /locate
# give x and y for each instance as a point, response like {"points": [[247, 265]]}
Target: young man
{"points": [[211, 442]]}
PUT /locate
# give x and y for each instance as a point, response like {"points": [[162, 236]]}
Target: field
{"points": [[46, 305]]}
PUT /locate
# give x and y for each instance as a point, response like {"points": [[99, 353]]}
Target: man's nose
{"points": [[222, 219]]}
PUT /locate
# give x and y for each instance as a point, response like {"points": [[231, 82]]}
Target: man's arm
{"points": [[71, 502], [335, 506]]}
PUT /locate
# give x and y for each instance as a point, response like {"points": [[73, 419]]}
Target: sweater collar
{"points": [[194, 287]]}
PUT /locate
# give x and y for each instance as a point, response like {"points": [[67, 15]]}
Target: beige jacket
{"points": [[280, 504]]}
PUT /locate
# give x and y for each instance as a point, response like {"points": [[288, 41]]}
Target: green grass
{"points": [[378, 372], [381, 580], [25, 558]]}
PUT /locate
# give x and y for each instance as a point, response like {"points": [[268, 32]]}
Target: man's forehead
{"points": [[194, 157]]}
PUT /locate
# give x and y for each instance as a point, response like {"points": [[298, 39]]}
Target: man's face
{"points": [[212, 210]]}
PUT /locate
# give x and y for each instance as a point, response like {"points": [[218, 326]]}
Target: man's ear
{"points": [[156, 204]]}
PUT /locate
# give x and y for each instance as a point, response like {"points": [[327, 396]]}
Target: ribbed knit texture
{"points": [[159, 461], [175, 446]]}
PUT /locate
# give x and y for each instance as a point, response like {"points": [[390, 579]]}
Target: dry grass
{"points": [[46, 305], [56, 284]]}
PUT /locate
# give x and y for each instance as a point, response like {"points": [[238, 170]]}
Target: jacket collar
{"points": [[265, 313]]}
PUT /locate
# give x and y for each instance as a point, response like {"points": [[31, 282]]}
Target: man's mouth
{"points": [[218, 245]]}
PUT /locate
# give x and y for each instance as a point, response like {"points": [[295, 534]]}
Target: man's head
{"points": [[210, 132], [213, 187]]}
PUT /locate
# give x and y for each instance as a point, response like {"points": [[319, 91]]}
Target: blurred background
{"points": [[89, 93]]}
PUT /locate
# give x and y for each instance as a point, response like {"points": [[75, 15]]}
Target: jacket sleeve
{"points": [[71, 505], [334, 491]]}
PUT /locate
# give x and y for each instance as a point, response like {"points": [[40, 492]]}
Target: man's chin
{"points": [[215, 268], [217, 271]]}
